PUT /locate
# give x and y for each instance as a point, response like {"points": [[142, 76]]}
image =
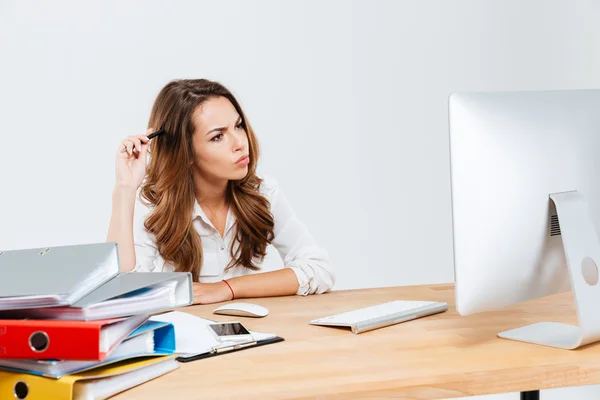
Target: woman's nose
{"points": [[239, 141]]}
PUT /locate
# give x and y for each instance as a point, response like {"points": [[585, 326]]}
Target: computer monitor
{"points": [[525, 179]]}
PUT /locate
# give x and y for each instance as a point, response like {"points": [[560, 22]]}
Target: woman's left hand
{"points": [[207, 293]]}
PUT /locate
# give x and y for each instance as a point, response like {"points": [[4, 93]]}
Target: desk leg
{"points": [[533, 395]]}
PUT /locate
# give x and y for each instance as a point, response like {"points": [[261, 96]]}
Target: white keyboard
{"points": [[381, 315]]}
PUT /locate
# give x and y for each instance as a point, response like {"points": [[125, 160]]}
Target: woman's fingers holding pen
{"points": [[131, 161], [144, 141], [135, 143], [126, 147]]}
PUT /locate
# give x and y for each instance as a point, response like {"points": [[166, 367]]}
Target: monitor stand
{"points": [[582, 252]]}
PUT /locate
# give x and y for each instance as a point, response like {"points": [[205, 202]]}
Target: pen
{"points": [[150, 136], [234, 347]]}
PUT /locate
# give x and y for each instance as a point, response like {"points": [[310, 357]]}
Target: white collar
{"points": [[199, 213]]}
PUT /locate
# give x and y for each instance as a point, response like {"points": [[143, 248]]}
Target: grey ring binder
{"points": [[62, 275], [83, 282]]}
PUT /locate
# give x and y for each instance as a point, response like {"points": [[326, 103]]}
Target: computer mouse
{"points": [[242, 310]]}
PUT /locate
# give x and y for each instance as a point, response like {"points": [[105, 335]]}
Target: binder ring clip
{"points": [[39, 341], [21, 390]]}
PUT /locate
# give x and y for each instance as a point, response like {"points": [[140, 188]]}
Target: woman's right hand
{"points": [[131, 164]]}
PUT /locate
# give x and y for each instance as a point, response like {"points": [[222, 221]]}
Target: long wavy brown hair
{"points": [[169, 186]]}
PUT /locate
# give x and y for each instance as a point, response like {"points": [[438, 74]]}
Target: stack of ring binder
{"points": [[72, 326]]}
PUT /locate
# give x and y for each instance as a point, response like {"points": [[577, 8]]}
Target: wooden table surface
{"points": [[436, 357]]}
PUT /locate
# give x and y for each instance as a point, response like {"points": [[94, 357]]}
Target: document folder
{"points": [[195, 342], [99, 383], [47, 339], [200, 356], [150, 339], [124, 295], [54, 276]]}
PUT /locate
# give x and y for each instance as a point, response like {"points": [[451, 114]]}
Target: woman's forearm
{"points": [[121, 226], [276, 283]]}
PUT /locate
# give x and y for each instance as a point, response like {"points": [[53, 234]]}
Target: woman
{"points": [[201, 207]]}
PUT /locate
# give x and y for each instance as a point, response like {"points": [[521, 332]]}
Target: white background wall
{"points": [[349, 100]]}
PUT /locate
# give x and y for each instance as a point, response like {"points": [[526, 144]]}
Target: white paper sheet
{"points": [[192, 335]]}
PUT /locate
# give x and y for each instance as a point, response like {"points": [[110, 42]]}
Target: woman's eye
{"points": [[217, 138], [239, 126]]}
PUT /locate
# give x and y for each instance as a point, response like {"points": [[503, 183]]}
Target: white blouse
{"points": [[292, 240]]}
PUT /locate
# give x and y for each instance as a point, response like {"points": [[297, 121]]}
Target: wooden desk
{"points": [[441, 356]]}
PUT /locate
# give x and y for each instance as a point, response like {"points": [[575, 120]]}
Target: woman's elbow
{"points": [[321, 277]]}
